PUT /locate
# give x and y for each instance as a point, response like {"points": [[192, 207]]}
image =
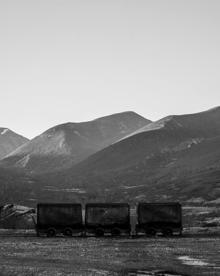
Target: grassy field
{"points": [[29, 255]]}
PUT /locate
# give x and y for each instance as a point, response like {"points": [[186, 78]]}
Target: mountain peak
{"points": [[9, 141], [124, 114]]}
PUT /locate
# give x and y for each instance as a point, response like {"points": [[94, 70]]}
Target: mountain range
{"points": [[122, 157], [67, 144], [177, 157]]}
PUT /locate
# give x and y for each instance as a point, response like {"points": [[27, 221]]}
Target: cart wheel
{"points": [[68, 232], [116, 232], [151, 232], [51, 232], [167, 232], [99, 232]]}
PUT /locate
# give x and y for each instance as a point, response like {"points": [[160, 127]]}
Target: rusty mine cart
{"points": [[107, 218], [159, 218], [59, 218]]}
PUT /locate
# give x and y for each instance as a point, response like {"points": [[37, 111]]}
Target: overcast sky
{"points": [[72, 60]]}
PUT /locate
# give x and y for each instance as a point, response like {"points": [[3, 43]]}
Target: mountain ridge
{"points": [[70, 143], [178, 161], [180, 150]]}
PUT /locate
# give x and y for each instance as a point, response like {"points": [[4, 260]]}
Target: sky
{"points": [[71, 61]]}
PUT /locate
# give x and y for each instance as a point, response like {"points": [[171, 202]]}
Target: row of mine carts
{"points": [[108, 219]]}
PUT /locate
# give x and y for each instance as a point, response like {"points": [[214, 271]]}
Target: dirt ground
{"points": [[29, 255]]}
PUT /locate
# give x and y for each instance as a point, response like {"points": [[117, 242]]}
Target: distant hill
{"points": [[173, 133], [174, 158], [67, 144], [10, 141], [190, 174]]}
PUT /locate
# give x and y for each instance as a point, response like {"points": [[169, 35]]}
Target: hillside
{"points": [[174, 158], [173, 133], [10, 141], [67, 144]]}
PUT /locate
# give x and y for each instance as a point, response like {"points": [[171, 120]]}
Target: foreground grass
{"points": [[26, 256]]}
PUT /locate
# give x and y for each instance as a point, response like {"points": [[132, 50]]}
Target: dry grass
{"points": [[32, 256]]}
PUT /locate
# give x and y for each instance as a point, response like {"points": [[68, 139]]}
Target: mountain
{"points": [[67, 144], [172, 133], [189, 174], [9, 141], [177, 157]]}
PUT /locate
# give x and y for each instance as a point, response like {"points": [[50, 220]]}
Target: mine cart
{"points": [[107, 218], [59, 218], [159, 218]]}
